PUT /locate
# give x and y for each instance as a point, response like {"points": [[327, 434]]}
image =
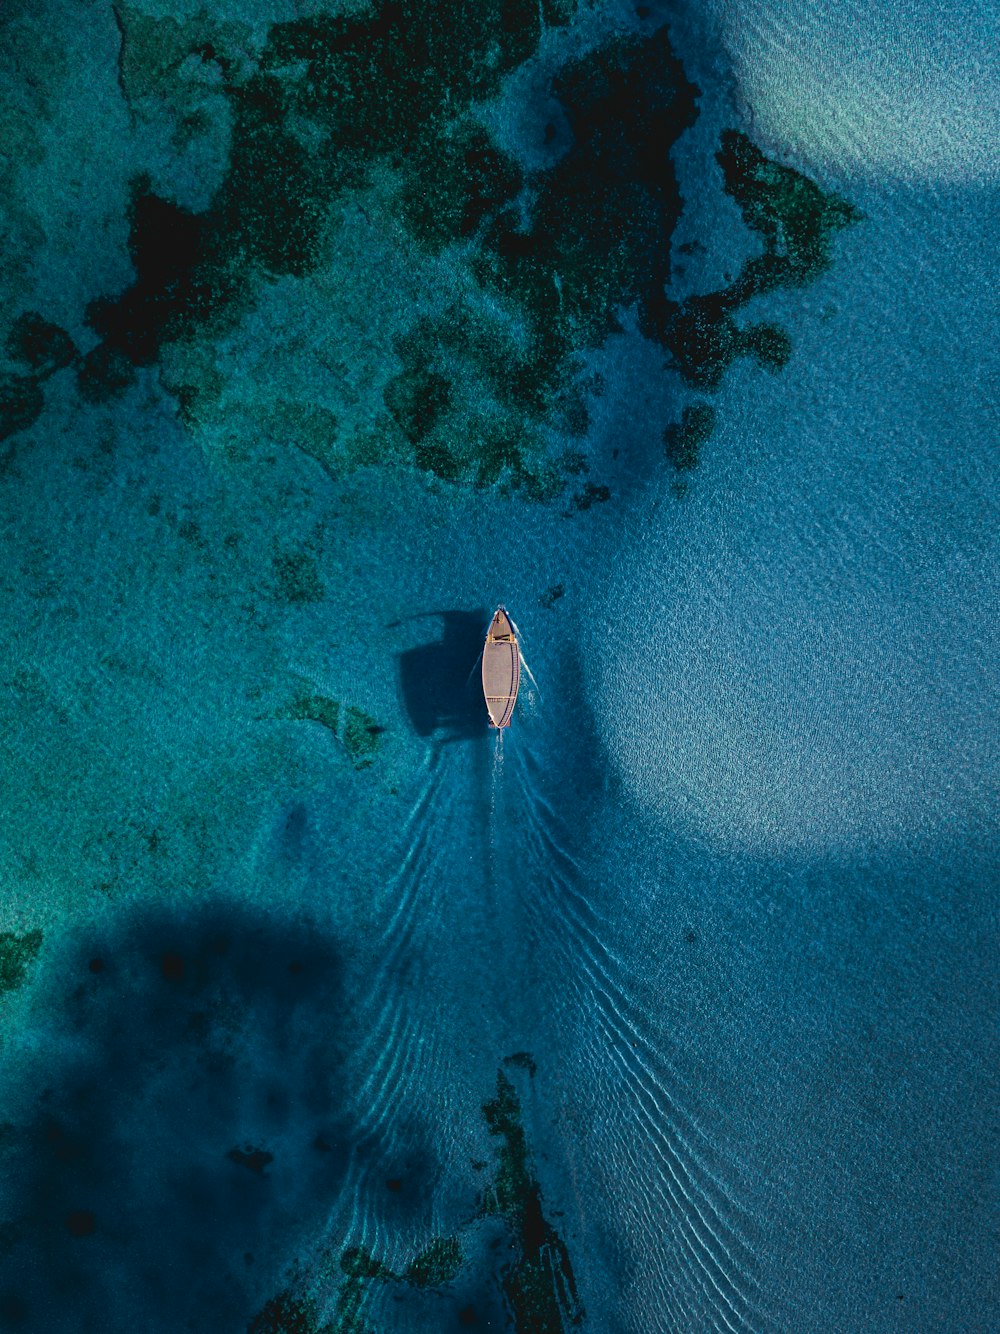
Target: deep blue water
{"points": [[727, 892]]}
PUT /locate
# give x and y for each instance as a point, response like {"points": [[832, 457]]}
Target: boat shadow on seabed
{"points": [[442, 696]]}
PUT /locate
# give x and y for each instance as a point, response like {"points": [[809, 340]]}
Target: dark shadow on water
{"points": [[191, 1131], [441, 699]]}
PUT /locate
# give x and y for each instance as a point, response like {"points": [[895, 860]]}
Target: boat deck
{"points": [[501, 669]]}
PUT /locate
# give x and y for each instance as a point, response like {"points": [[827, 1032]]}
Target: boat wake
{"points": [[396, 1047], [431, 1011], [493, 936], [681, 1218]]}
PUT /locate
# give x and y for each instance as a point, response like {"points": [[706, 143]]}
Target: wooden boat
{"points": [[501, 668]]}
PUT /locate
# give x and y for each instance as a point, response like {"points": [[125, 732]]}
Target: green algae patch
{"points": [[295, 1312], [17, 953], [297, 578], [361, 736], [436, 1265], [535, 1276], [359, 1268], [357, 731], [683, 440], [316, 709]]}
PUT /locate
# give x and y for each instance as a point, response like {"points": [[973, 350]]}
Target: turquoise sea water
{"points": [[323, 1012]]}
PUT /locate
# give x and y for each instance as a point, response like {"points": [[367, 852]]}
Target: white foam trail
{"points": [[531, 674]]}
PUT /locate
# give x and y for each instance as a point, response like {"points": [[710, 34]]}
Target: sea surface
{"points": [[325, 1011]]}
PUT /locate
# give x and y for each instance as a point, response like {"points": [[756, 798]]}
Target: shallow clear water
{"points": [[727, 889]]}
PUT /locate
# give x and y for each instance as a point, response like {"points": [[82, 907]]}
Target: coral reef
{"points": [[381, 109], [41, 345]]}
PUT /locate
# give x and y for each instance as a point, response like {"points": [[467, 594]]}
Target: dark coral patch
{"points": [[483, 386], [592, 494], [769, 345], [21, 403], [539, 1284], [166, 244], [454, 182], [285, 1314], [584, 238], [683, 442], [796, 221], [43, 346], [104, 373], [523, 1060], [436, 1265], [603, 215], [417, 399], [333, 94]]}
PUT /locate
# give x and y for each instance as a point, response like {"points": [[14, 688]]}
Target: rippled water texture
{"points": [[327, 329]]}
